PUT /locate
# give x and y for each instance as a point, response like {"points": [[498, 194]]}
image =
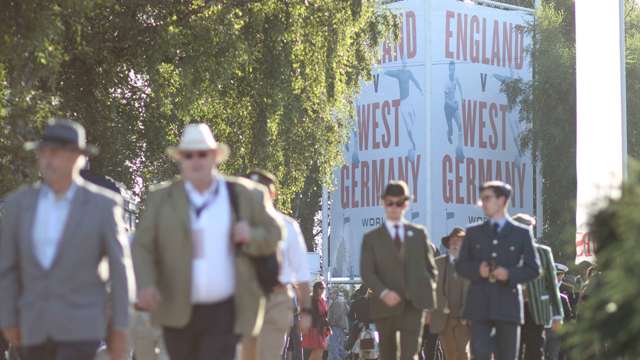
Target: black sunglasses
{"points": [[398, 203], [191, 154]]}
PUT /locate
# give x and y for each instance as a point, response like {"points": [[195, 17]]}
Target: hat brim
{"points": [[89, 150], [445, 241], [223, 151]]}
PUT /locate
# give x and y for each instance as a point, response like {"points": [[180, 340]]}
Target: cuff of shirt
{"points": [[383, 293], [557, 317]]}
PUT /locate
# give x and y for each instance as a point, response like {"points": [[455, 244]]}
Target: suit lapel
{"points": [[29, 211], [77, 211], [181, 206], [385, 241], [488, 229], [506, 229]]}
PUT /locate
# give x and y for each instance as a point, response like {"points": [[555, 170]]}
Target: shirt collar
{"points": [[392, 224], [191, 190], [51, 195], [500, 222]]}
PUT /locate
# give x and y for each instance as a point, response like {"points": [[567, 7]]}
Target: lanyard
{"points": [[210, 199]]}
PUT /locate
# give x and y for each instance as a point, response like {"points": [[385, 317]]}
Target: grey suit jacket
{"points": [[69, 301]]}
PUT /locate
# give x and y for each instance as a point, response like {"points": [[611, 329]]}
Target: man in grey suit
{"points": [[498, 256], [54, 234]]}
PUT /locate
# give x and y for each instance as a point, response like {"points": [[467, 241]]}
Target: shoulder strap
{"points": [[233, 199]]}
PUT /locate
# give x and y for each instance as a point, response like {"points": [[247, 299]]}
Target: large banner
{"points": [[474, 136], [433, 116], [388, 142]]}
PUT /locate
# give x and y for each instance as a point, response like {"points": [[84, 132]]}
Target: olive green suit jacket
{"points": [[162, 253], [412, 274]]}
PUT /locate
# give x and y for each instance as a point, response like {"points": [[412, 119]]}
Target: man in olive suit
{"points": [[397, 265]]}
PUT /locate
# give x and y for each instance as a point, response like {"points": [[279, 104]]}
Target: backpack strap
{"points": [[233, 200]]}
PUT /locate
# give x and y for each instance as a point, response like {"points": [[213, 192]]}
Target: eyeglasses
{"points": [[193, 154], [487, 198], [399, 203]]}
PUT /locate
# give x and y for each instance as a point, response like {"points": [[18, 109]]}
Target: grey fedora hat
{"points": [[63, 133]]}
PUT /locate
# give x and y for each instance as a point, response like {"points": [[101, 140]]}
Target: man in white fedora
{"points": [[193, 252]]}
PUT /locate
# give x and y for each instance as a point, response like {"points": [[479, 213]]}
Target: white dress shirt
{"points": [[293, 251], [213, 264], [50, 220], [391, 227]]}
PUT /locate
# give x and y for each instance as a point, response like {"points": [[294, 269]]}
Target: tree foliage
{"points": [[609, 320], [273, 78], [548, 104]]}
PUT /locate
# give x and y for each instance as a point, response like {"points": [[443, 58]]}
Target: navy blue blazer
{"points": [[512, 249]]}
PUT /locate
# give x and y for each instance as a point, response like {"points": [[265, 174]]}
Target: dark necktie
{"points": [[496, 228], [396, 239]]}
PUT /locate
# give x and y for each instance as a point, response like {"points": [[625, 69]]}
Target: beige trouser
{"points": [[454, 339], [145, 341], [277, 322]]}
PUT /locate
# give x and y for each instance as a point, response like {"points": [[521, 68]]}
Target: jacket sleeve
{"points": [[466, 266], [266, 228], [529, 266], [430, 261], [116, 245], [552, 284], [368, 268], [9, 263], [143, 247]]}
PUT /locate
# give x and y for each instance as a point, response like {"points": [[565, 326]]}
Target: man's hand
{"points": [[12, 335], [117, 344], [241, 232], [148, 299], [390, 298], [484, 270], [305, 322], [501, 274], [556, 325]]}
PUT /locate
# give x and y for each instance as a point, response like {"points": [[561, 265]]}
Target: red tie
{"points": [[396, 239]]}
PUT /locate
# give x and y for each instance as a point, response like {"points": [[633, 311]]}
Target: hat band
{"points": [[59, 140]]}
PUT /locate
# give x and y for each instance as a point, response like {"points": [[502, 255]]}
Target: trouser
{"points": [[61, 350], [336, 349], [269, 343], [532, 338], [552, 345], [146, 340], [454, 339], [409, 326], [494, 337], [208, 334]]}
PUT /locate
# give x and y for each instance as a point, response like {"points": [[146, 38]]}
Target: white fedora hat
{"points": [[198, 137]]}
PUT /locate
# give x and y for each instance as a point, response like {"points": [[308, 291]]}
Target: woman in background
{"points": [[314, 341]]}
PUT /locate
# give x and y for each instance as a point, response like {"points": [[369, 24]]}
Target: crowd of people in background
{"points": [[215, 271]]}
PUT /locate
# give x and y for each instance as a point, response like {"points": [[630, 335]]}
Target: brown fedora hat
{"points": [[457, 231]]}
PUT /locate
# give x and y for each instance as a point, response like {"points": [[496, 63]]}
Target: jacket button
{"points": [[494, 255], [495, 242]]}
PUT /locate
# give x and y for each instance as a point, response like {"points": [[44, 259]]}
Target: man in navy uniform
{"points": [[498, 256]]}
